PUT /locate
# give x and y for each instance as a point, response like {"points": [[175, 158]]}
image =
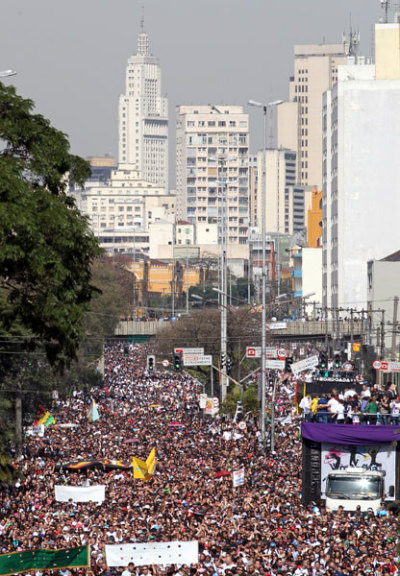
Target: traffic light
{"points": [[323, 360], [126, 350], [151, 360], [223, 361], [177, 362], [336, 361], [228, 365], [288, 364]]}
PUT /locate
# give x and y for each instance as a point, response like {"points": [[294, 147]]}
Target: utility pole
{"points": [[18, 419], [273, 415], [173, 273], [224, 284], [351, 332], [394, 327], [383, 335]]}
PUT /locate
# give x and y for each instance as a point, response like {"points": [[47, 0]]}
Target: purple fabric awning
{"points": [[350, 433]]}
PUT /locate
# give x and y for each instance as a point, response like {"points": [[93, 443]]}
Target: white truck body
{"points": [[355, 487]]}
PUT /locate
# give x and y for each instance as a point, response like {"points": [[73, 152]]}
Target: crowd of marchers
{"points": [[261, 528]]}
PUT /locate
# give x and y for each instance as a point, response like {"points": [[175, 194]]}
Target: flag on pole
{"points": [[93, 412], [44, 559], [151, 462]]}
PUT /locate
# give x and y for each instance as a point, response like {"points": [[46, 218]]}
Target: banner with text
{"points": [[80, 493], [149, 553]]}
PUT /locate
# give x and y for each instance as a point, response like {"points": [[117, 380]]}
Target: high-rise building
{"points": [[143, 117], [361, 202], [212, 149], [299, 121], [284, 199]]}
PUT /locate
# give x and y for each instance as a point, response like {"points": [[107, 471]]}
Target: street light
{"points": [[7, 73], [264, 108]]}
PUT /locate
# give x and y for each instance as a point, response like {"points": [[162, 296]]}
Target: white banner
{"points": [[304, 365], [275, 364], [238, 478], [148, 553], [80, 493], [202, 401], [276, 326]]}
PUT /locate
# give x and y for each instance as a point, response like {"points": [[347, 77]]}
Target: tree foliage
{"points": [[115, 284], [46, 247]]}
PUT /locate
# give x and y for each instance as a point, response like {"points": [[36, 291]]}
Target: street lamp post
{"points": [[7, 73], [223, 268], [264, 108], [224, 286]]}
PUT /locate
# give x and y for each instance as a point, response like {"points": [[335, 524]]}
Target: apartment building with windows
{"points": [[361, 203], [143, 117], [299, 121], [212, 149], [121, 210], [284, 198]]}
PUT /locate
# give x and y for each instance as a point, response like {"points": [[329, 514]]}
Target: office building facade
{"points": [[212, 150]]}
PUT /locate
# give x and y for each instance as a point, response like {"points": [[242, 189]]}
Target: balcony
{"points": [[297, 273]]}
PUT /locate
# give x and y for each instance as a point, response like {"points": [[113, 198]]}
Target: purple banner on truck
{"points": [[349, 433]]}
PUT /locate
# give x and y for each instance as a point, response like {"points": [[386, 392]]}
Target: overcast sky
{"points": [[71, 55]]}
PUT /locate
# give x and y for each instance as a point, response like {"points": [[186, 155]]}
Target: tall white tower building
{"points": [[143, 117]]}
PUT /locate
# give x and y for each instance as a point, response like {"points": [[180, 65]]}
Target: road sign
{"points": [[386, 366], [277, 326], [184, 351], [165, 363], [197, 360], [270, 352], [304, 365], [275, 364]]}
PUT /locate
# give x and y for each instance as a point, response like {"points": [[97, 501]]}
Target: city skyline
{"points": [[71, 60]]}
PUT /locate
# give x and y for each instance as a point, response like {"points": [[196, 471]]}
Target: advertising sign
{"points": [[185, 351], [197, 360]]}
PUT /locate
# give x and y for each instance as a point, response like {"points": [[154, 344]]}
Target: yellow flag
{"points": [[151, 462], [139, 469]]}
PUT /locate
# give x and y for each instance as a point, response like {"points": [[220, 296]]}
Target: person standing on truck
{"points": [[384, 410], [371, 411], [305, 405], [395, 411]]}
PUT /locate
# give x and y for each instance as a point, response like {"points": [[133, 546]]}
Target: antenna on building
{"points": [[142, 20], [385, 6], [351, 41]]}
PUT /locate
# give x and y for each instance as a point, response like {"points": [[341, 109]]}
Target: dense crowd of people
{"points": [[260, 528]]}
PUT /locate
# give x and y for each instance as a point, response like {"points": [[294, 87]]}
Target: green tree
{"points": [[114, 302], [46, 247]]}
